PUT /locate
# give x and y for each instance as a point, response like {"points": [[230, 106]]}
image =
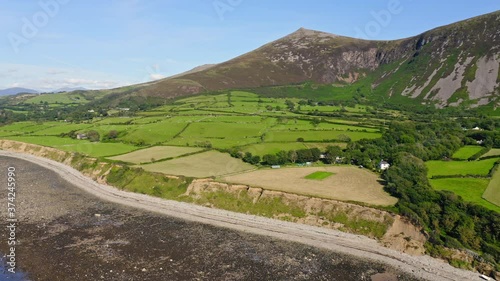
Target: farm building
{"points": [[81, 136], [383, 165]]}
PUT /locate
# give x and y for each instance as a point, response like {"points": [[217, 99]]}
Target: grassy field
{"points": [[221, 143], [153, 133], [82, 146], [492, 193], [58, 129], [113, 120], [272, 148], [492, 152], [223, 130], [323, 145], [466, 152], [470, 189], [206, 164], [348, 184], [257, 124], [301, 125], [452, 168], [291, 136], [156, 153], [320, 175]]}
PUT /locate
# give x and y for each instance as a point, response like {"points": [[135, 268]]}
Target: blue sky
{"points": [[50, 44]]}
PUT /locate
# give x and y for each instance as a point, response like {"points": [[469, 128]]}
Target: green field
{"points": [[470, 189], [262, 149], [292, 136], [492, 152], [455, 168], [206, 164], [113, 120], [243, 120], [82, 146], [324, 145], [223, 130], [492, 193], [320, 175], [466, 152], [153, 133], [58, 129], [155, 153]]}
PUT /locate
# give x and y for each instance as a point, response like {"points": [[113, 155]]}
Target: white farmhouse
{"points": [[383, 165]]}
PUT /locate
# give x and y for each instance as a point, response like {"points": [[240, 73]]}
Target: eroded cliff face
{"points": [[398, 234], [90, 167]]}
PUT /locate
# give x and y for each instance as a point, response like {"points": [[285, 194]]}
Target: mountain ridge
{"points": [[325, 58], [452, 65]]}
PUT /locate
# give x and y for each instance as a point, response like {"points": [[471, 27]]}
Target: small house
{"points": [[81, 136], [383, 165]]}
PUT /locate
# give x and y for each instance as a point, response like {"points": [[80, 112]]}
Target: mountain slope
{"points": [[450, 65]]}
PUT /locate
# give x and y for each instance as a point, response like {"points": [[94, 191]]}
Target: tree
{"points": [[343, 138], [93, 136], [282, 157], [315, 122], [304, 155], [113, 134], [332, 152], [315, 154], [248, 157], [255, 160], [290, 105], [270, 159], [292, 156]]}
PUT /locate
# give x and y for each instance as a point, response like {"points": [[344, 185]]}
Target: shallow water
{"points": [[6, 275]]}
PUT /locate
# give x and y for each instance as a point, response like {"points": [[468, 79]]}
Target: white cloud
{"points": [[156, 76], [51, 84], [50, 78]]}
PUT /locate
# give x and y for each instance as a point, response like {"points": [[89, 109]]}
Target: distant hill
{"points": [[68, 89], [16, 90]]}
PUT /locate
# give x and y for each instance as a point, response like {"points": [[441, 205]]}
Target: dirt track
{"points": [[359, 246]]}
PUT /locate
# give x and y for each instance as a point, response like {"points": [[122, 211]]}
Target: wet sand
{"points": [[68, 234]]}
